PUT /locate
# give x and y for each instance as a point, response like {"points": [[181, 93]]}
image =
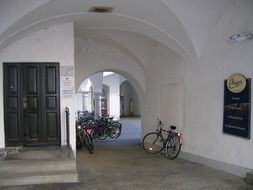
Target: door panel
{"points": [[51, 77], [32, 104], [32, 125], [51, 103], [51, 126], [51, 98], [31, 78], [13, 125], [12, 103], [12, 79], [12, 114]]}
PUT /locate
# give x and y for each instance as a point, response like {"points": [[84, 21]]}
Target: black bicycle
{"points": [[155, 142]]}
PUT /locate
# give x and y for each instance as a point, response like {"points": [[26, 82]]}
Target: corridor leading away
{"points": [[131, 128]]}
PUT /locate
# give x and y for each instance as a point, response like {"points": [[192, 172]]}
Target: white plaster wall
{"points": [[204, 115], [113, 81], [97, 82], [171, 102], [202, 13], [54, 44], [134, 45], [92, 56], [198, 88], [202, 89], [167, 69], [127, 17], [204, 86], [11, 10], [128, 92], [79, 101]]}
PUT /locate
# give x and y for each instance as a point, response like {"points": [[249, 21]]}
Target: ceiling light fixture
{"points": [[100, 9], [240, 37]]}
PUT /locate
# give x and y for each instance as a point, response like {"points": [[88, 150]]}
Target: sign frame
{"points": [[237, 106]]}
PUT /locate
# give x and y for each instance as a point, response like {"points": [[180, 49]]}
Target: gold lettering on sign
{"points": [[235, 117], [236, 83], [235, 127]]}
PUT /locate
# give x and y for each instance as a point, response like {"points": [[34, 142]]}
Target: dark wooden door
{"points": [[12, 104], [32, 104]]}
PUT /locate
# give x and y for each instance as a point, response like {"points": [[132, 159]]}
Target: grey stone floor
{"points": [[123, 165], [131, 128]]}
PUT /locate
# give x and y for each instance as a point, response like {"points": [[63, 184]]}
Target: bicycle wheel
{"points": [[79, 139], [89, 143], [78, 142], [114, 132], [172, 147], [102, 133], [153, 142]]}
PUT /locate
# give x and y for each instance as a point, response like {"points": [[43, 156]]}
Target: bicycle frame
{"points": [[155, 142], [169, 133]]}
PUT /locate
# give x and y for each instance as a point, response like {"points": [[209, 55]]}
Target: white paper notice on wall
{"points": [[67, 80]]}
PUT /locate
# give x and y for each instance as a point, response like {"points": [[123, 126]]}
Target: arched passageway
{"points": [[108, 94]]}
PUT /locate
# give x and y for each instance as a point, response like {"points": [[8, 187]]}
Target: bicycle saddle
{"points": [[173, 127]]}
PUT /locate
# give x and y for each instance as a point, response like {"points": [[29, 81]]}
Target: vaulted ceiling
{"points": [[181, 25]]}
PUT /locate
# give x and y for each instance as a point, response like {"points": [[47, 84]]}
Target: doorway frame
{"points": [[20, 112]]}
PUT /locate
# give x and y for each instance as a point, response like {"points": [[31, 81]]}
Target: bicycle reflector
{"points": [[88, 130], [180, 137]]}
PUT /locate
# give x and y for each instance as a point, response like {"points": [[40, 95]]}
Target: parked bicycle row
{"points": [[89, 127]]}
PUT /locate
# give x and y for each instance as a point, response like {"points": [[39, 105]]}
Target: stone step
{"points": [[37, 165], [22, 166], [249, 178], [39, 178]]}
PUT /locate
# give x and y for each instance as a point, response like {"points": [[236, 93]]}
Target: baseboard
{"points": [[229, 168]]}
